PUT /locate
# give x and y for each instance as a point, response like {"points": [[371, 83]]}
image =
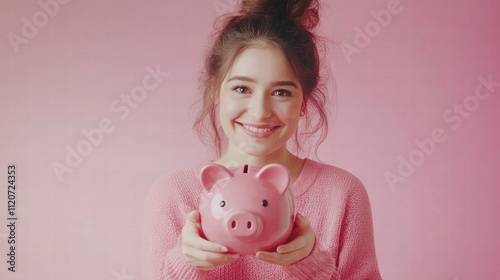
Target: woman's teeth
{"points": [[256, 129]]}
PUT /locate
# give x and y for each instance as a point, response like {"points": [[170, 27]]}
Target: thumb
{"points": [[193, 217], [301, 220]]}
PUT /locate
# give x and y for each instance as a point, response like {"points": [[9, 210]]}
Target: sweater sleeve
{"points": [[163, 221], [357, 259]]}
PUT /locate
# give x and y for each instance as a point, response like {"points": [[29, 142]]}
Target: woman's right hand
{"points": [[199, 252]]}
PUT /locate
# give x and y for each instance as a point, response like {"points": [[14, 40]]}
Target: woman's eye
{"points": [[282, 92], [240, 89]]}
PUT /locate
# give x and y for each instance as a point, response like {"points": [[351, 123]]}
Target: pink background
{"points": [[439, 223]]}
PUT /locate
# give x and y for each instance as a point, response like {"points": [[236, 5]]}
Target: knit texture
{"points": [[333, 200]]}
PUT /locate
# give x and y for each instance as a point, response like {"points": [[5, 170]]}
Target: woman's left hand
{"points": [[299, 246]]}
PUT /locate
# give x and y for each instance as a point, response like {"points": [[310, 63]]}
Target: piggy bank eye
{"points": [[264, 203], [222, 203]]}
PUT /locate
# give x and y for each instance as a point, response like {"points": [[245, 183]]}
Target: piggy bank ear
{"points": [[276, 174], [213, 173]]}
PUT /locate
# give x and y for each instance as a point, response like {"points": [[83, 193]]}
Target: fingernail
{"points": [[223, 249]]}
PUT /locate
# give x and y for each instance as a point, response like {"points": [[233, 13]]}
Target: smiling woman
{"points": [[286, 26], [259, 108], [260, 91]]}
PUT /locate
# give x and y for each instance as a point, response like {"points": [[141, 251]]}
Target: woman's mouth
{"points": [[259, 131]]}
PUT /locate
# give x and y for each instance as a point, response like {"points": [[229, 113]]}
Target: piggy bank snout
{"points": [[243, 224]]}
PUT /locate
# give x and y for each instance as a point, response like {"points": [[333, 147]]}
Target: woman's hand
{"points": [[300, 245], [199, 252]]}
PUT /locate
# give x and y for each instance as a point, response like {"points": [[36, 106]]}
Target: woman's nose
{"points": [[259, 107]]}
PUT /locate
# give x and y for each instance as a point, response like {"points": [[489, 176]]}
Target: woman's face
{"points": [[260, 102]]}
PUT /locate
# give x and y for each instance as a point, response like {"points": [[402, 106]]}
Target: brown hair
{"points": [[285, 24]]}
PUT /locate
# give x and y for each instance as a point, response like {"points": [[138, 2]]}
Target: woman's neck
{"points": [[238, 158]]}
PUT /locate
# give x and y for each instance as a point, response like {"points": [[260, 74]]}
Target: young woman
{"points": [[261, 90]]}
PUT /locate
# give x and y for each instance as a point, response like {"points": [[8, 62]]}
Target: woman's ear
{"points": [[303, 108]]}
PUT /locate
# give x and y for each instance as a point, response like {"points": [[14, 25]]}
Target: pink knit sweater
{"points": [[333, 200]]}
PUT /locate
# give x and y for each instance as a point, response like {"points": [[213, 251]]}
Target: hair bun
{"points": [[304, 12]]}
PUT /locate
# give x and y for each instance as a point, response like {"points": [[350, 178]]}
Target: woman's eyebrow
{"points": [[277, 83], [242, 78]]}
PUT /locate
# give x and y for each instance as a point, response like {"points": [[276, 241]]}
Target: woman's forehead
{"points": [[261, 63]]}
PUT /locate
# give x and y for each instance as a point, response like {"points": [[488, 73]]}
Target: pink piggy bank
{"points": [[247, 209]]}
